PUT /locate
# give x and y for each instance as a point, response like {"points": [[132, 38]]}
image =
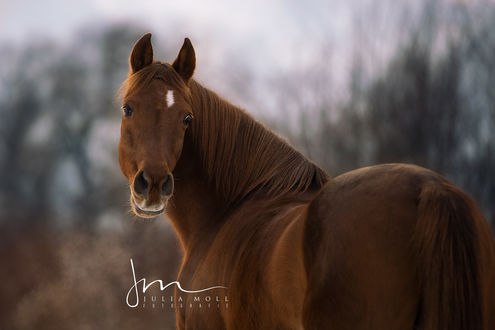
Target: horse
{"points": [[391, 246]]}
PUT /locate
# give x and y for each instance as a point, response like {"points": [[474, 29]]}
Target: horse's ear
{"points": [[185, 62], [141, 54]]}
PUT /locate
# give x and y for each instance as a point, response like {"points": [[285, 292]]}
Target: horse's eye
{"points": [[127, 110], [187, 119]]}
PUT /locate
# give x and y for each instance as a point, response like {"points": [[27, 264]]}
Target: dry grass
{"points": [[52, 279]]}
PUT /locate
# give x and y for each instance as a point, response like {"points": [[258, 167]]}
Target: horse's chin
{"points": [[146, 213]]}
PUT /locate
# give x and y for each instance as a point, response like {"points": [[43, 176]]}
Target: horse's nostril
{"points": [[141, 184], [167, 185]]}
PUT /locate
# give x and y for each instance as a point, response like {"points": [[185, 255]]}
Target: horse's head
{"points": [[156, 112]]}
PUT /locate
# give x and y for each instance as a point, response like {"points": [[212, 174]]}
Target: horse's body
{"points": [[385, 247]]}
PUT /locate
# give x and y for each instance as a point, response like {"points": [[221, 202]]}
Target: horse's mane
{"points": [[239, 156]]}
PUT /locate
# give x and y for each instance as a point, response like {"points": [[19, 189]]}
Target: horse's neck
{"points": [[220, 168], [193, 204]]}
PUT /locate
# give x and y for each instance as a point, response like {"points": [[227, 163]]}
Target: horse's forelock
{"points": [[157, 70]]}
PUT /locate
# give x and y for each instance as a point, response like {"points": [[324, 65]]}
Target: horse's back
{"points": [[362, 268]]}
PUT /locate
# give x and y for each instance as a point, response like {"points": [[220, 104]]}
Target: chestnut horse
{"points": [[392, 246]]}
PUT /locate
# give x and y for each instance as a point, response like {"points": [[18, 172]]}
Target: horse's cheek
{"points": [[177, 150], [126, 161]]}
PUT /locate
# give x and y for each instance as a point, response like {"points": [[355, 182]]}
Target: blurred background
{"points": [[349, 82]]}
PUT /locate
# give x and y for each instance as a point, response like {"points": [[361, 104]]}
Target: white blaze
{"points": [[170, 98]]}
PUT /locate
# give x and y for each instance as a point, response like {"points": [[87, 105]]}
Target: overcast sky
{"points": [[264, 37], [274, 33], [256, 26]]}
